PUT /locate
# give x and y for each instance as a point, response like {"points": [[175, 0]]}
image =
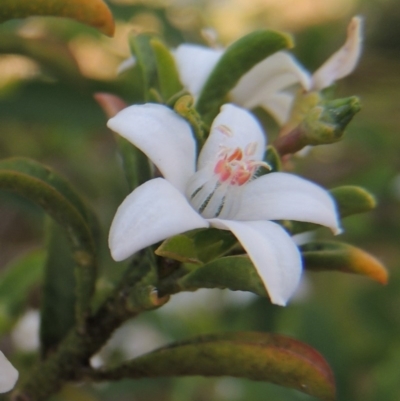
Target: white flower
{"points": [[8, 374], [268, 84], [25, 335], [222, 193]]}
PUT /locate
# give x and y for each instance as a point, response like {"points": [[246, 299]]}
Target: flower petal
{"points": [[152, 212], [279, 106], [282, 196], [233, 128], [343, 62], [195, 64], [273, 253], [163, 136], [272, 75], [8, 374], [126, 65]]}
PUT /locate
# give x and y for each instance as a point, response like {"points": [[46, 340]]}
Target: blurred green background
{"points": [[49, 71]]}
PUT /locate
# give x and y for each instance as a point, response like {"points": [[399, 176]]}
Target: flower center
{"points": [[213, 192], [237, 167]]}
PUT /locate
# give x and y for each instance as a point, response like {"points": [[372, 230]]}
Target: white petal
{"points": [[152, 212], [269, 77], [272, 252], [126, 65], [343, 62], [163, 136], [281, 196], [8, 374], [195, 64], [279, 106], [233, 128]]}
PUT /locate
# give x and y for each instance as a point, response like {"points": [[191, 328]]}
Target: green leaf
{"points": [[58, 295], [55, 200], [212, 243], [134, 162], [198, 247], [349, 200], [272, 158], [90, 12], [238, 59], [256, 356], [47, 175], [146, 60], [233, 272], [352, 200], [180, 248], [16, 281], [338, 256], [168, 76]]}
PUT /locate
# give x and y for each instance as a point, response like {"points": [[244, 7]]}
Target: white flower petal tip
{"points": [[344, 61], [267, 84], [8, 374], [273, 253], [164, 137], [126, 65], [195, 64], [233, 128], [283, 196], [152, 212]]}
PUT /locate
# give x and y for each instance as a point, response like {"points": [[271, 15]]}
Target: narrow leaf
{"points": [[256, 356], [16, 281], [90, 12], [180, 248], [63, 212], [211, 243], [58, 295], [168, 76], [142, 50], [47, 175], [337, 256], [238, 59], [352, 200], [233, 272]]}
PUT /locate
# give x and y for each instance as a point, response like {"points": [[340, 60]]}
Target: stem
{"points": [[79, 345], [291, 142]]}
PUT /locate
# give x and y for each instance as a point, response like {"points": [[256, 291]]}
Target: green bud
{"points": [[325, 122]]}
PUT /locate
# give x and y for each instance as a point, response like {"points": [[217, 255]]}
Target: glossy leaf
{"points": [[58, 294], [16, 281], [349, 200], [337, 256], [57, 204], [238, 59], [233, 272], [168, 76], [256, 356], [90, 12]]}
